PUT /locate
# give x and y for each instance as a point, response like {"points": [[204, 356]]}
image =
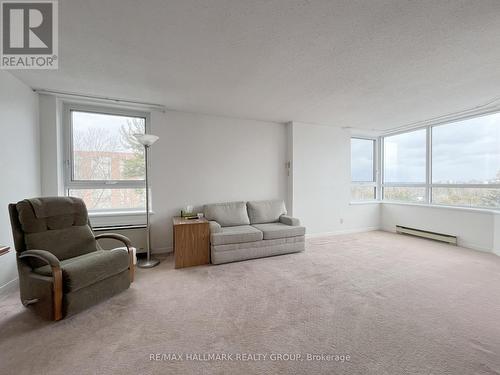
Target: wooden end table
{"points": [[191, 242]]}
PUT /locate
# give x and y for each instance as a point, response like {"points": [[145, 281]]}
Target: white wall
{"points": [[475, 228], [19, 158], [206, 159], [199, 159], [289, 166], [496, 235], [51, 137], [321, 182]]}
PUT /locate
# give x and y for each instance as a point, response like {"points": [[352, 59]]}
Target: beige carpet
{"points": [[393, 304]]}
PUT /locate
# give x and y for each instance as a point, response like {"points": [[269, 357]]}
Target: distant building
{"points": [[106, 166]]}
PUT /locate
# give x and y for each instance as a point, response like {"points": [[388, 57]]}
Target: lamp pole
{"points": [[147, 140]]}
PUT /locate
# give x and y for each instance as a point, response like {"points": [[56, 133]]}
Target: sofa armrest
{"points": [[288, 220], [44, 255], [214, 227]]}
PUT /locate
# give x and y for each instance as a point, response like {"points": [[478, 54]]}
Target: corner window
{"points": [[105, 164], [363, 172], [453, 164]]}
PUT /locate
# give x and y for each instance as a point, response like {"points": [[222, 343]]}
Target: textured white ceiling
{"points": [[367, 64]]}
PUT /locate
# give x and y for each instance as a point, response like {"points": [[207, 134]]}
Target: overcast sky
{"points": [[465, 151], [107, 126], [361, 160]]}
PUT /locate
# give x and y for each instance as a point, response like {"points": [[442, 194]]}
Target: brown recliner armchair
{"points": [[62, 269]]}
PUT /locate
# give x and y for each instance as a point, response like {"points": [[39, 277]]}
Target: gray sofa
{"points": [[248, 230]]}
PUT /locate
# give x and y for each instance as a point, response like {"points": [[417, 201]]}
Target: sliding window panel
{"points": [[362, 160], [363, 171], [405, 158]]}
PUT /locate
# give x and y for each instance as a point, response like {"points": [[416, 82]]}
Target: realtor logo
{"points": [[29, 34]]}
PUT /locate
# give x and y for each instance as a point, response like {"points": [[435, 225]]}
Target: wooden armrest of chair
{"points": [[44, 255], [115, 236], [126, 241], [55, 265]]}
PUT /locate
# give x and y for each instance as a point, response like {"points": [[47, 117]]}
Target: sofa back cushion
{"points": [[227, 214], [261, 212], [58, 225]]}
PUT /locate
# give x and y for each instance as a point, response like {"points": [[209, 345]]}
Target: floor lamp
{"points": [[147, 140]]}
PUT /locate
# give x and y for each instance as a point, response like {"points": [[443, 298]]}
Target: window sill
{"points": [[117, 218], [437, 206], [443, 207], [118, 213], [118, 227]]}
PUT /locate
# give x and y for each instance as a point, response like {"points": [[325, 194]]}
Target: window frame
{"points": [[383, 184], [429, 185], [68, 172], [376, 170]]}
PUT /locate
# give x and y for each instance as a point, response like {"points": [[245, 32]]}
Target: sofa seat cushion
{"points": [[84, 270], [278, 230], [237, 234]]}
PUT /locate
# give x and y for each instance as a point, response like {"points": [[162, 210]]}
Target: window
{"points": [[363, 175], [105, 164], [454, 164], [466, 163], [404, 172]]}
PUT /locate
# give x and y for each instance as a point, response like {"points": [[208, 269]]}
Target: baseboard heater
{"points": [[426, 234]]}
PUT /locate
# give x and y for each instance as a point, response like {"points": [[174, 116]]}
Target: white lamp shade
{"points": [[146, 139]]}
